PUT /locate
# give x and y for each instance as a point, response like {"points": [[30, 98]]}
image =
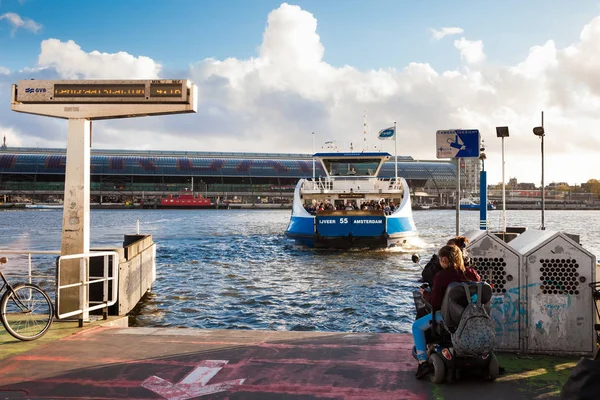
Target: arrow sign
{"points": [[457, 143], [194, 384]]}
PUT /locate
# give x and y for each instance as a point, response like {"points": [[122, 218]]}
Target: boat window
{"points": [[352, 167]]}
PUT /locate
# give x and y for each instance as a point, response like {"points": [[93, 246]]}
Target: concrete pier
{"points": [[162, 363]]}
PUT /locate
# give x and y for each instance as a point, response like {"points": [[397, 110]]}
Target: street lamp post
{"points": [[539, 131], [502, 132]]}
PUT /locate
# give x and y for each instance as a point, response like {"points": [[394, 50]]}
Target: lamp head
{"points": [[502, 131], [538, 131]]}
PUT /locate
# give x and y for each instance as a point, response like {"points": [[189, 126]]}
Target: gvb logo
{"points": [[35, 90]]}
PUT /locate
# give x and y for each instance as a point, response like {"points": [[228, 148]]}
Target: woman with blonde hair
{"points": [[453, 270]]}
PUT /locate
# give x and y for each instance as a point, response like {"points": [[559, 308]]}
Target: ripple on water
{"points": [[230, 269]]}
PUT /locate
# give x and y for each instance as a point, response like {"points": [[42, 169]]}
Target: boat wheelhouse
{"points": [[351, 207]]}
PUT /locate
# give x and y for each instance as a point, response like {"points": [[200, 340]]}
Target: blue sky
{"points": [[271, 73], [366, 34]]}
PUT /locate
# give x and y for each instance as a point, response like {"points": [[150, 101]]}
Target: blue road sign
{"points": [[458, 143]]}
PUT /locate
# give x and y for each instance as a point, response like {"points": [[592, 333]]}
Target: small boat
{"points": [[473, 204], [351, 207], [184, 200], [44, 206]]}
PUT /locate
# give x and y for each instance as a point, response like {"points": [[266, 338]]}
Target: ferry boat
{"points": [[184, 200], [340, 209], [473, 204]]}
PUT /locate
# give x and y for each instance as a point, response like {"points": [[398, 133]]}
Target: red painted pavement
{"points": [[180, 364]]}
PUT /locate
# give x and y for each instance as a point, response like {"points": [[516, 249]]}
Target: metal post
{"points": [[313, 137], [76, 213], [543, 190], [457, 196], [396, 156], [503, 191], [483, 198]]}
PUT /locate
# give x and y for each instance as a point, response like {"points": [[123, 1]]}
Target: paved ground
{"points": [[158, 363]]}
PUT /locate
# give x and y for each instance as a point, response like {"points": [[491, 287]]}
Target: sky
{"points": [[270, 73]]}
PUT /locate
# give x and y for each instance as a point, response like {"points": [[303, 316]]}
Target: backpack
{"points": [[475, 334]]}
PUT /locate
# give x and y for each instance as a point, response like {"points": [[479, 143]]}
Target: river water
{"points": [[235, 269]]}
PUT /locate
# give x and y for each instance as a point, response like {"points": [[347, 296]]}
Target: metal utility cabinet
{"points": [[499, 265], [558, 315]]}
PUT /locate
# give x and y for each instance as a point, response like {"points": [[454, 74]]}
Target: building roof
{"points": [[121, 162]]}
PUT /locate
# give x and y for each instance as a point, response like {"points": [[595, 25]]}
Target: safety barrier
{"points": [[29, 253], [85, 281]]}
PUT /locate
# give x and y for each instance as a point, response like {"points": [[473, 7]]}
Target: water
{"points": [[234, 269]]}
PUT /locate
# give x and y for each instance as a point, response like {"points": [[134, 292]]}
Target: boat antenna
{"points": [[313, 138]]}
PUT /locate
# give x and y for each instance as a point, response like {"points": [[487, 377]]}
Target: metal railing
{"points": [[29, 269], [85, 281], [357, 185]]}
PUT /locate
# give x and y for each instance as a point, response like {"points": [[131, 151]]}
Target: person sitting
{"points": [[433, 266], [453, 270]]}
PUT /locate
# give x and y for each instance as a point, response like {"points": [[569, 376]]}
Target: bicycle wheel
{"points": [[26, 311]]}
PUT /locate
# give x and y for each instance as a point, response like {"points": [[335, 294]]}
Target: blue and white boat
{"points": [[473, 204], [350, 206]]}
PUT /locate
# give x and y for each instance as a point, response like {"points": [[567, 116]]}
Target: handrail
{"points": [[29, 253], [358, 185], [85, 282]]}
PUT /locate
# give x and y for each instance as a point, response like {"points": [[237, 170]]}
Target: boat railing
{"points": [[356, 185]]}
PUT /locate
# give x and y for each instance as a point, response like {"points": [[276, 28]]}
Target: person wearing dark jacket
{"points": [[453, 270], [433, 266]]}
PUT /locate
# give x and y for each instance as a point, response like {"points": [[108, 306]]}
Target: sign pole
{"points": [[395, 155], [81, 102], [457, 196], [483, 198], [76, 212]]}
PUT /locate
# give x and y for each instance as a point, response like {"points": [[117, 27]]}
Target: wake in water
{"points": [[413, 244]]}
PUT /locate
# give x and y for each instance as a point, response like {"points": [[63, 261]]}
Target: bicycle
{"points": [[26, 311]]}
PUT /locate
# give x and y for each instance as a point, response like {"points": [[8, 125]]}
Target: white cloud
{"points": [[13, 138], [470, 50], [71, 62], [272, 102], [4, 70], [437, 35], [20, 23]]}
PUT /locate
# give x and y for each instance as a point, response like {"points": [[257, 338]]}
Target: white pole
{"points": [[313, 137], [503, 192], [395, 154]]}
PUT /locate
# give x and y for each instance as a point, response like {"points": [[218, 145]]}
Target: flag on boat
{"points": [[386, 134]]}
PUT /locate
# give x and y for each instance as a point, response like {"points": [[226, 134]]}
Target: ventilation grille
{"points": [[492, 271], [559, 276]]}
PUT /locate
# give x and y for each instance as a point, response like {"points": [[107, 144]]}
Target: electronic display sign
{"points": [[103, 91], [100, 90]]}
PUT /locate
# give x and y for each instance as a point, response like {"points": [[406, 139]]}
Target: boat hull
{"points": [[475, 207], [341, 229], [382, 241]]}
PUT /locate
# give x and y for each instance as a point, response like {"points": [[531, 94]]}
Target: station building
{"points": [[117, 176]]}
